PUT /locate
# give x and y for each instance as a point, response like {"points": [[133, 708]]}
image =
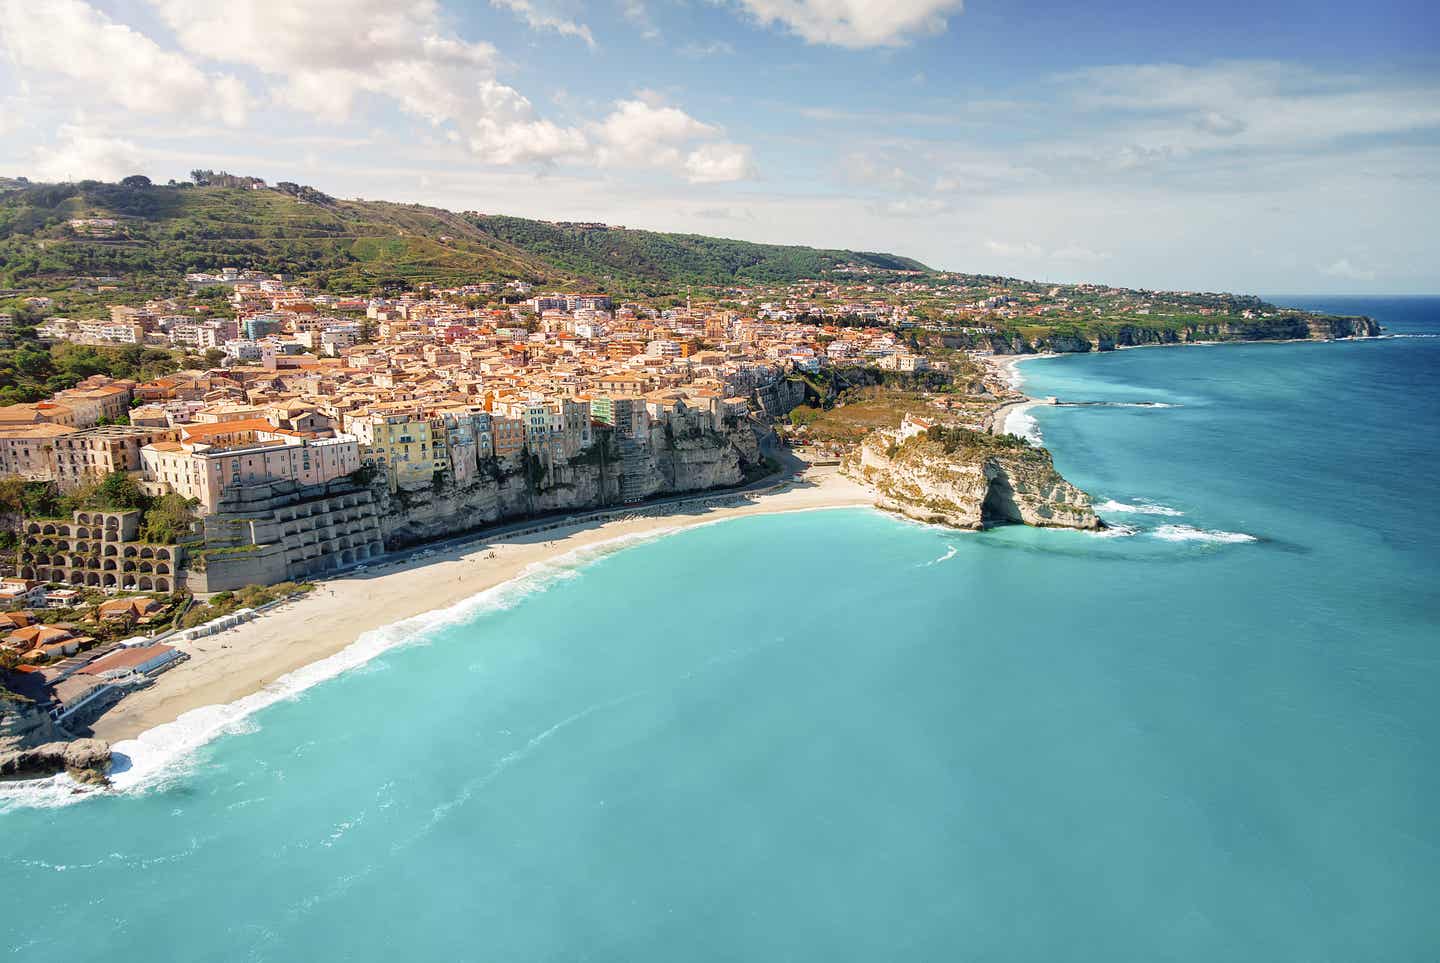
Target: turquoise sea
{"points": [[1211, 736]]}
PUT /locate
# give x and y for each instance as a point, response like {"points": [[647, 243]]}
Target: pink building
{"points": [[210, 459]]}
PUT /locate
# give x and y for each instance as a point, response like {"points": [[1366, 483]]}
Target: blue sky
{"points": [[1262, 146]]}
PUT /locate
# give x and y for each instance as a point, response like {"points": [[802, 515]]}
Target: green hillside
{"points": [[605, 252], [162, 232]]}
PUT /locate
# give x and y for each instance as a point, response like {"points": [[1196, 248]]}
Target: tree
{"points": [[119, 491], [168, 519], [135, 181]]}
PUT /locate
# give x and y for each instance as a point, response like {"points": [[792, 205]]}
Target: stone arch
{"points": [[49, 530], [161, 568], [109, 565], [27, 572], [108, 580], [76, 561], [129, 551], [146, 552], [82, 547], [145, 567], [110, 550], [162, 585], [92, 579], [162, 553], [83, 518], [145, 583], [33, 528]]}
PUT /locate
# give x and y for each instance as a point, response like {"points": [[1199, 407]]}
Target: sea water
{"points": [[1208, 734]]}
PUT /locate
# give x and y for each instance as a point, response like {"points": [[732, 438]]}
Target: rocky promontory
{"points": [[32, 747], [968, 479]]}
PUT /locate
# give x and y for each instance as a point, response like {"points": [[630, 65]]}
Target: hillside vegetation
{"points": [[163, 232]]}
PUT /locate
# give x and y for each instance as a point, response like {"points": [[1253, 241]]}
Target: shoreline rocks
{"points": [[87, 761]]}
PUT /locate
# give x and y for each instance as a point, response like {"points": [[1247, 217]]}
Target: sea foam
{"points": [[1141, 507], [165, 752], [1188, 533], [1021, 422]]}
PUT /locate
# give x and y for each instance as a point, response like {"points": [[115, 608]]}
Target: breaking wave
{"points": [[1188, 533], [1140, 508], [1021, 422], [1116, 404]]}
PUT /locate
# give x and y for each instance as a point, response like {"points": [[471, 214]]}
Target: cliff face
{"points": [[1283, 327], [969, 487], [669, 461]]}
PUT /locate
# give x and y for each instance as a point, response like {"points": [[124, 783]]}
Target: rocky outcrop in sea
{"points": [[969, 479]]}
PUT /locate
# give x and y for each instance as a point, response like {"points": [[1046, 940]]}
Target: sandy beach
{"points": [[1004, 367], [228, 666]]}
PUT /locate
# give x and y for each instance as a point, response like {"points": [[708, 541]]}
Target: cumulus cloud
{"points": [[81, 153], [718, 163], [644, 131], [856, 23], [98, 57], [325, 53], [507, 131]]}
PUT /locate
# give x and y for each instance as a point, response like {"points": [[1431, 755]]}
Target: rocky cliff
{"points": [[968, 479], [31, 746], [1107, 336], [686, 455]]}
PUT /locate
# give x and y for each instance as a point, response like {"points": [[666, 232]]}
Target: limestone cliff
{"points": [[1107, 336], [968, 479], [685, 455]]}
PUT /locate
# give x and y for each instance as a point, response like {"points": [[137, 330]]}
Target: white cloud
{"points": [[82, 153], [541, 20], [99, 58], [718, 163], [1345, 270], [647, 132], [1011, 249], [325, 53], [507, 131], [856, 23]]}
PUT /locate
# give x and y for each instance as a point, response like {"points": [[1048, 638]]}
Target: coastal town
{"points": [[209, 454]]}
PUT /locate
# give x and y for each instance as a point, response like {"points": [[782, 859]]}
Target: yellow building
{"points": [[398, 442]]}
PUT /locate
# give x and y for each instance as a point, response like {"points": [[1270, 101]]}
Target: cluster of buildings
{"points": [[315, 393], [68, 673]]}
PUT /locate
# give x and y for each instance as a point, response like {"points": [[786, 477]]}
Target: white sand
{"points": [[225, 667]]}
